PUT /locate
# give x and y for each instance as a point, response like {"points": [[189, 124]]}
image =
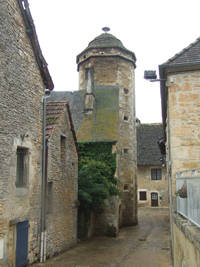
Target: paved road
{"points": [[147, 244]]}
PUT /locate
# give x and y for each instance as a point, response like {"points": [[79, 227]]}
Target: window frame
{"points": [[142, 192], [22, 165], [158, 176], [63, 148]]}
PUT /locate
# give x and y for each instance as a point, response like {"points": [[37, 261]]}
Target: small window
{"points": [[155, 174], [63, 148], [125, 187], [126, 91], [49, 197], [142, 195], [126, 151], [84, 56], [22, 167], [125, 118]]}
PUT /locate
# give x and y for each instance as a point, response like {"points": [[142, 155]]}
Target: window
{"points": [[63, 148], [49, 197], [22, 167], [155, 174], [125, 187], [142, 195], [126, 151], [126, 91], [125, 118]]}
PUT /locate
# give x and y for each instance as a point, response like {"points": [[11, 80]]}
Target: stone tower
{"points": [[106, 63]]}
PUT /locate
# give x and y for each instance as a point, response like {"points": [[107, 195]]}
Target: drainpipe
{"points": [[46, 167], [43, 234]]}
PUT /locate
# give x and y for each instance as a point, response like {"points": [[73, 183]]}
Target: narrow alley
{"points": [[147, 244]]}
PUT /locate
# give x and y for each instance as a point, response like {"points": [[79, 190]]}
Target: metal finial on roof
{"points": [[106, 29]]}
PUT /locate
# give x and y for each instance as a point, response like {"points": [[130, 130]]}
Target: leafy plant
{"points": [[96, 180], [177, 192]]}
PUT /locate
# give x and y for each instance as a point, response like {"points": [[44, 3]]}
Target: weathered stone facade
{"points": [[146, 184], [103, 110], [22, 87], [21, 91], [114, 65], [62, 182], [151, 167], [180, 93], [183, 121]]}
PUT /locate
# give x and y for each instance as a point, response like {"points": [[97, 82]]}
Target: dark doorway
{"points": [[154, 199], [22, 244]]}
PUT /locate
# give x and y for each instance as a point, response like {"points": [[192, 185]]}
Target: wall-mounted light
{"points": [[151, 75]]}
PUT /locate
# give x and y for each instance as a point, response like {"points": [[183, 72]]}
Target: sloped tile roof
{"points": [[148, 152], [190, 54], [53, 111], [102, 124]]}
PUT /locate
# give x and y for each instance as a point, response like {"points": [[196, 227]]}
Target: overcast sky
{"points": [[154, 30]]}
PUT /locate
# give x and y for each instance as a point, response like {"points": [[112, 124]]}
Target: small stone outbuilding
{"points": [[61, 178]]}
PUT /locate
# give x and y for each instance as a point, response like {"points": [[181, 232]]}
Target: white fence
{"points": [[189, 206]]}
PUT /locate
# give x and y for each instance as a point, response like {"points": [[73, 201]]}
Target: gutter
{"points": [[43, 231]]}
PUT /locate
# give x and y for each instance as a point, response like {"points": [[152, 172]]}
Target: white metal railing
{"points": [[189, 206]]}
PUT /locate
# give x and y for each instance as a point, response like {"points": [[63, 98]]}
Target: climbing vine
{"points": [[96, 175]]}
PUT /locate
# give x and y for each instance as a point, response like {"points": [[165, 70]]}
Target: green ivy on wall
{"points": [[96, 175]]}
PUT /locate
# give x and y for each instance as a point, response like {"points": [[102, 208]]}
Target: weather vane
{"points": [[106, 29]]}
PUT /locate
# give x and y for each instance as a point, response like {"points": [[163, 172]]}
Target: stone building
{"points": [[62, 178], [103, 110], [24, 77], [151, 169], [180, 95]]}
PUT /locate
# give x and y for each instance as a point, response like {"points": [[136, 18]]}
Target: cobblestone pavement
{"points": [[147, 244]]}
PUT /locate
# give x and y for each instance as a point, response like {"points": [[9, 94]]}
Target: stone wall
{"points": [[61, 221], [21, 92], [127, 142], [186, 243], [108, 222], [152, 186], [183, 130], [183, 150]]}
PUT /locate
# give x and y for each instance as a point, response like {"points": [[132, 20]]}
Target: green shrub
{"points": [[96, 180]]}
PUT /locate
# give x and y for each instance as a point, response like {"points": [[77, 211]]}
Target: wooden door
{"points": [[154, 199], [22, 244]]}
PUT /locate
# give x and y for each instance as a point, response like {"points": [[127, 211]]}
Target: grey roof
{"points": [[190, 54], [107, 40], [102, 124], [148, 152]]}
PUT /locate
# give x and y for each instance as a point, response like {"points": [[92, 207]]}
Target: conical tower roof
{"points": [[107, 40]]}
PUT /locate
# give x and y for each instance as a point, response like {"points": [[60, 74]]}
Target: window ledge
{"points": [[21, 191]]}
